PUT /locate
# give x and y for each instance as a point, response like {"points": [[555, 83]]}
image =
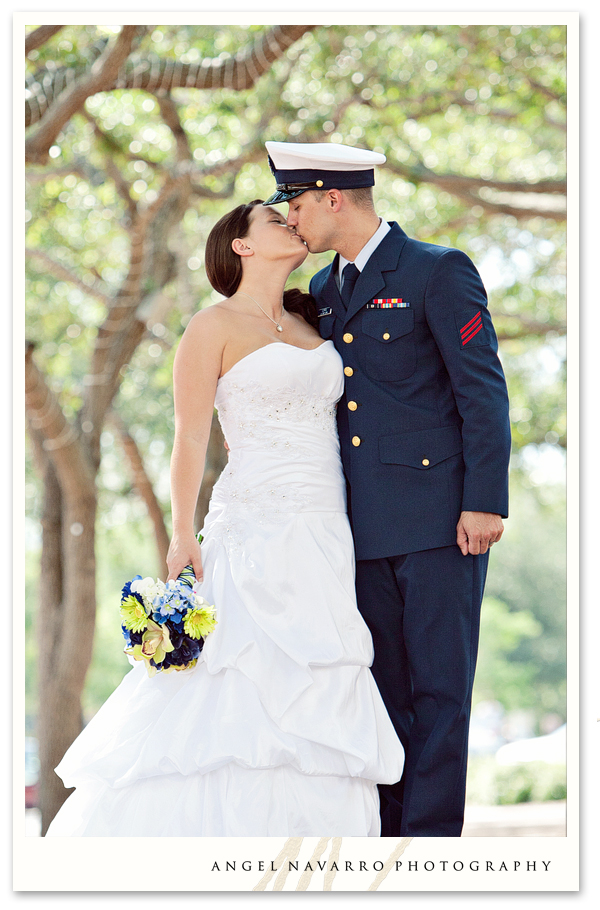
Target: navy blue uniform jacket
{"points": [[423, 422]]}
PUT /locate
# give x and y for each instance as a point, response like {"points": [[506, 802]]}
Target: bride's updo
{"points": [[224, 267]]}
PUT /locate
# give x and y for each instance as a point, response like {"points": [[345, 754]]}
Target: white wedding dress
{"points": [[279, 730]]}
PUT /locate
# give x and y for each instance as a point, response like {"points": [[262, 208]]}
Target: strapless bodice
{"points": [[280, 391], [277, 408]]}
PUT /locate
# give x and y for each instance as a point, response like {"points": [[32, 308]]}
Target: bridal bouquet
{"points": [[165, 624]]}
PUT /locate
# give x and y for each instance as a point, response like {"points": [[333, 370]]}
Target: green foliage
{"points": [[470, 119], [481, 103], [499, 675], [527, 574], [489, 783]]}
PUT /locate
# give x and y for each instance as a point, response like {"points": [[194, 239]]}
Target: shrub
{"points": [[491, 784]]}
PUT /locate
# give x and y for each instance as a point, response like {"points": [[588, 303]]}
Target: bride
{"points": [[279, 730]]}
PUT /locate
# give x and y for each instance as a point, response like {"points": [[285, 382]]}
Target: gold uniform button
{"points": [[348, 338], [386, 336], [352, 405], [356, 440], [425, 462], [348, 371]]}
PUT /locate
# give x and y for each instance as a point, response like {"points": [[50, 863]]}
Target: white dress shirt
{"points": [[363, 257]]}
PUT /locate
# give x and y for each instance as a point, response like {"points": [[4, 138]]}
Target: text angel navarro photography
{"points": [[440, 865]]}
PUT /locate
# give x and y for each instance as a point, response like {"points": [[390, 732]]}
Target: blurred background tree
{"points": [[138, 140]]}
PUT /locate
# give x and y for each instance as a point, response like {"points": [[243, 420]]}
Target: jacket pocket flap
{"points": [[422, 448], [387, 325]]}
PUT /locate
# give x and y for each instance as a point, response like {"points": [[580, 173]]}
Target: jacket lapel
{"points": [[331, 294], [371, 280]]}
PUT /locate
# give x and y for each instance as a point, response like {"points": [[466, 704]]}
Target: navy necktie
{"points": [[349, 275]]}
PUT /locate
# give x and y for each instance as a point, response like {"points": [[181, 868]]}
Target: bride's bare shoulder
{"points": [[209, 323], [203, 342]]}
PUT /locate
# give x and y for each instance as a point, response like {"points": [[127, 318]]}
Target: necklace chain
{"points": [[277, 324]]}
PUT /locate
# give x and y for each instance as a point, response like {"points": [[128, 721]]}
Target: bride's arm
{"points": [[195, 373]]}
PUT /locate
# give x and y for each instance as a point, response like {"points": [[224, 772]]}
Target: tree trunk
{"points": [[66, 633], [52, 792], [65, 622]]}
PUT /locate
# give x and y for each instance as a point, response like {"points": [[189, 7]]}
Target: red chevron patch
{"points": [[471, 328]]}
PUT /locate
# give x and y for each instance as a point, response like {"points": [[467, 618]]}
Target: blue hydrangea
{"points": [[126, 590]]}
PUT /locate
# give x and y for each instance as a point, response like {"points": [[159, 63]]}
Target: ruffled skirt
{"points": [[279, 730]]}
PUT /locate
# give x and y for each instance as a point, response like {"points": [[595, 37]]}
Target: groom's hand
{"points": [[476, 531]]}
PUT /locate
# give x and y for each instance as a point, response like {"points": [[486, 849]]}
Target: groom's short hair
{"points": [[361, 197]]}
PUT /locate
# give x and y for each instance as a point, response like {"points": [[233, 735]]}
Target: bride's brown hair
{"points": [[224, 267]]}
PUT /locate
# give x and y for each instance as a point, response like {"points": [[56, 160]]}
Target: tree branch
{"points": [[101, 76], [439, 103], [467, 188], [422, 174], [144, 488], [61, 441], [517, 211], [527, 327], [237, 73], [64, 274], [111, 143], [123, 328], [39, 36], [78, 166], [153, 74], [112, 171], [544, 90], [253, 151], [168, 111], [43, 87], [203, 193]]}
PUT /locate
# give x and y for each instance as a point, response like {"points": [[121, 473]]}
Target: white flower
{"points": [[199, 601], [147, 588]]}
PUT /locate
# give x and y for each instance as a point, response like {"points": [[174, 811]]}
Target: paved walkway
{"points": [[33, 822], [521, 820], [547, 819]]}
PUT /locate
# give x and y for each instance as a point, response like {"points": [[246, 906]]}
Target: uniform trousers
{"points": [[423, 611]]}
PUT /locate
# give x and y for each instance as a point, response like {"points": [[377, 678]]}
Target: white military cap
{"points": [[302, 166]]}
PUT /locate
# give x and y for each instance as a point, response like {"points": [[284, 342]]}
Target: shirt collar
{"points": [[367, 250]]}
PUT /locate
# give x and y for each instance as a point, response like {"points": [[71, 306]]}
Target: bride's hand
{"points": [[184, 551]]}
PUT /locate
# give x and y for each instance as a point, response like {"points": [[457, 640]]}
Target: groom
{"points": [[425, 443]]}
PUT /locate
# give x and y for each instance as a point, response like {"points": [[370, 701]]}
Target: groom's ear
{"points": [[334, 200], [241, 248]]}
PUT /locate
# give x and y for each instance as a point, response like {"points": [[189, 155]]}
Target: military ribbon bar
{"points": [[470, 329], [387, 303]]}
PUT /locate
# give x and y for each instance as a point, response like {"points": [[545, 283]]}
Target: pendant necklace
{"points": [[277, 325]]}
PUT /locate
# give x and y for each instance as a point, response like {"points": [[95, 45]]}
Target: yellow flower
{"points": [[135, 651], [199, 622], [133, 614], [156, 642]]}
